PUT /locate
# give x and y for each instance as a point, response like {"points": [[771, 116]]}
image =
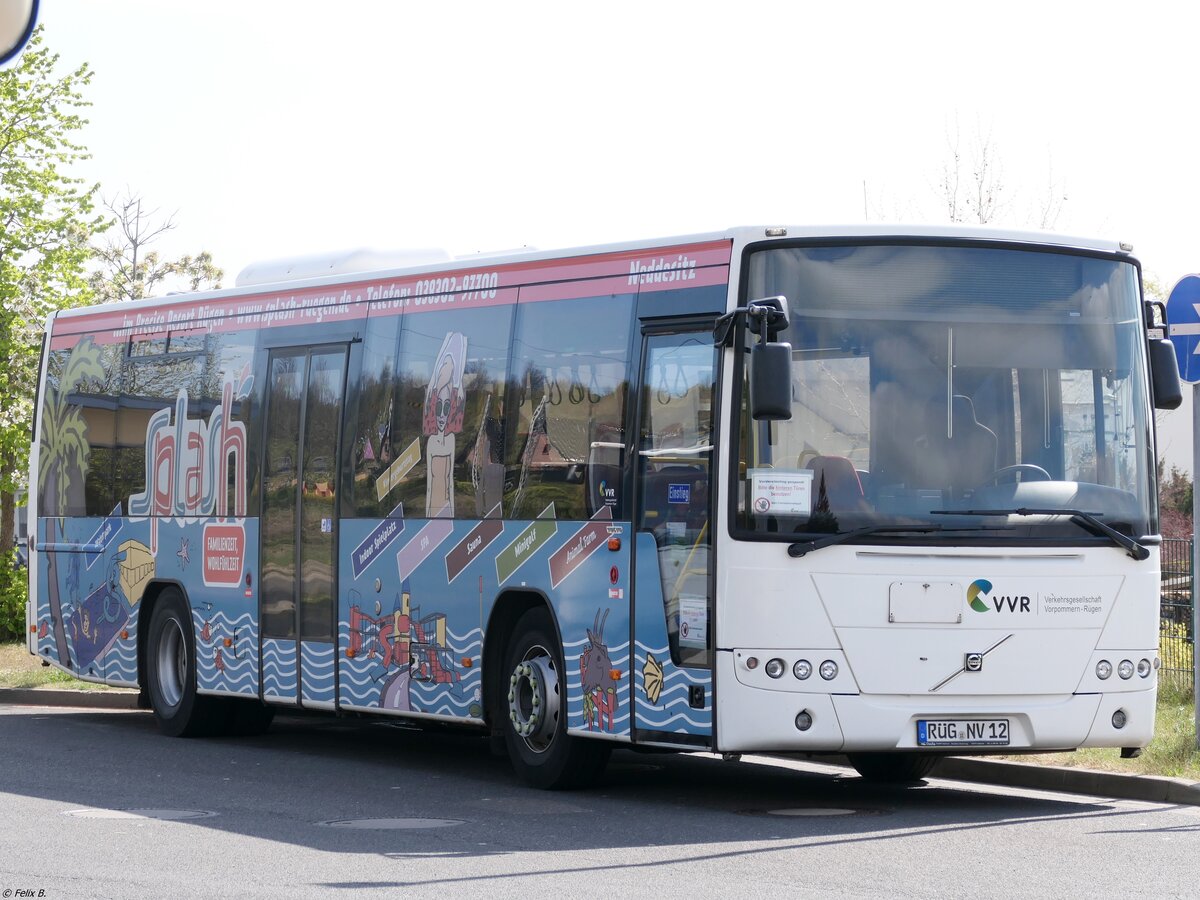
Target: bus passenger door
{"points": [[300, 465], [673, 536]]}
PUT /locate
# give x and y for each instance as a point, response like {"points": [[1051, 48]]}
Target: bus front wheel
{"points": [[171, 671], [533, 705], [893, 768]]}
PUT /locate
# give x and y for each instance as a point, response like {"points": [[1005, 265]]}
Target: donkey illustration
{"points": [[598, 678]]}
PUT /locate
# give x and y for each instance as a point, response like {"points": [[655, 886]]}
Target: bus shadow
{"points": [[370, 787]]}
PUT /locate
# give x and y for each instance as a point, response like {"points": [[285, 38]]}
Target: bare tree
{"points": [[1051, 205], [128, 270], [978, 193], [971, 186]]}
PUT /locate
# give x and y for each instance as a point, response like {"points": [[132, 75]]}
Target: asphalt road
{"points": [[98, 804]]}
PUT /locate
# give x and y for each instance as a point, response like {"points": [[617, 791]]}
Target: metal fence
{"points": [[1176, 640]]}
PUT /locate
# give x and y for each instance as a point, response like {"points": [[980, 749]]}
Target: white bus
{"points": [[885, 492]]}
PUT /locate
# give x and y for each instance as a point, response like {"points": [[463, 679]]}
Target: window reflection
{"points": [[929, 378]]}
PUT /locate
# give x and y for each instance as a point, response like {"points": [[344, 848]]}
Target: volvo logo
{"points": [[972, 662]]}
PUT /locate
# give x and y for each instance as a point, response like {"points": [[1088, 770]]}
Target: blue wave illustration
{"points": [[273, 687], [218, 617], [670, 671], [458, 642], [666, 723], [120, 662], [244, 683], [274, 684], [279, 649], [237, 672], [362, 681], [583, 642], [231, 678], [317, 664], [279, 668]]}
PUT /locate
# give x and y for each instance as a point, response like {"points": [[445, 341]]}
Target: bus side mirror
{"points": [[770, 360], [771, 381], [17, 18], [1164, 375]]}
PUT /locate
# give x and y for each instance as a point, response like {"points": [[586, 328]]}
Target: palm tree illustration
{"points": [[63, 464]]}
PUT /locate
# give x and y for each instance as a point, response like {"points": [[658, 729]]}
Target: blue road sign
{"points": [[1183, 314]]}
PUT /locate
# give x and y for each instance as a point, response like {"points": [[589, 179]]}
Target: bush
{"points": [[14, 588]]}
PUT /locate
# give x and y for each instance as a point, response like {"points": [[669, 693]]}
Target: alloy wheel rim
{"points": [[172, 663], [533, 699]]}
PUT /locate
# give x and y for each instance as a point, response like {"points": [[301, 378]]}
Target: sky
{"points": [[279, 129]]}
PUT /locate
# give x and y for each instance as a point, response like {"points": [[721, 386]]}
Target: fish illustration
{"points": [[652, 678]]}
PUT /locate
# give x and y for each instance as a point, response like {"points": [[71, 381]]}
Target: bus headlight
{"points": [[1144, 668], [1103, 669], [774, 668], [1125, 669], [828, 670], [802, 669]]}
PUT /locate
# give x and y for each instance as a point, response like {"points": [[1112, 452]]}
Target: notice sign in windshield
{"points": [[781, 492]]}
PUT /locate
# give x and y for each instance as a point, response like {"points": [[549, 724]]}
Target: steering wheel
{"points": [[1027, 471]]}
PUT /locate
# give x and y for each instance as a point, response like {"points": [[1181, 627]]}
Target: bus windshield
{"points": [[960, 378]]}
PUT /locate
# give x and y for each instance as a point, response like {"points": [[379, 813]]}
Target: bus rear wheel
{"points": [[171, 671], [893, 768], [533, 706]]}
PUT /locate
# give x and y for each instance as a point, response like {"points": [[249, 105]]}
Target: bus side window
{"points": [[82, 458], [565, 404], [436, 426], [370, 441]]}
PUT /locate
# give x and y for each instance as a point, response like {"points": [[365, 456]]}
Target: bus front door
{"points": [[300, 465], [673, 522]]}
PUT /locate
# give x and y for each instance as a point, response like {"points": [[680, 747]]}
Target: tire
{"points": [[171, 673], [893, 768], [533, 711]]}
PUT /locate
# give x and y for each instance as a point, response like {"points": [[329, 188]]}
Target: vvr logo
{"points": [[979, 599]]}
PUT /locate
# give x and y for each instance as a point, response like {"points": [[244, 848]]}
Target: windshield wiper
{"points": [[800, 548], [1085, 520]]}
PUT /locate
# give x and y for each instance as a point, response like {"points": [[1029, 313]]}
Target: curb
{"points": [[81, 699], [1151, 788], [1062, 779]]}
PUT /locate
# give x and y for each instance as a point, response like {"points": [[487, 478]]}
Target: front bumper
{"points": [[754, 718]]}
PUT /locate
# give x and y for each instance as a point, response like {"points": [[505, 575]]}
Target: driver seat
{"points": [[971, 452]]}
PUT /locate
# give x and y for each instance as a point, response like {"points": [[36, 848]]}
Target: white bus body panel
{"points": [[32, 499], [1050, 615]]}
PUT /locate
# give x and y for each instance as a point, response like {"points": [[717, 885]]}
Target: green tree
{"points": [[45, 228], [128, 271], [1154, 289], [1174, 489]]}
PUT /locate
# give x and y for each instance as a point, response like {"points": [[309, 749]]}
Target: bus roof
{"points": [[738, 236]]}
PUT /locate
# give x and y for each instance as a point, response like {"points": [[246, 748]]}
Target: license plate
{"points": [[962, 732]]}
